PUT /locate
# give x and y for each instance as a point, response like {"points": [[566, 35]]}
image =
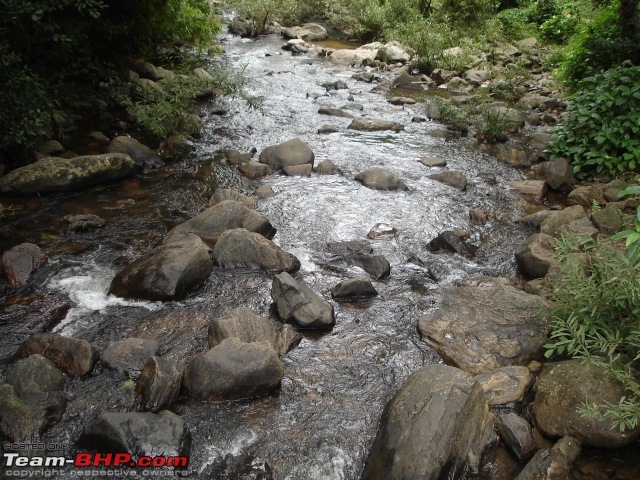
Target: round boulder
{"points": [[287, 154]]}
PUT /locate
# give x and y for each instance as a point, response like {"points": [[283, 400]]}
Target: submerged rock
{"points": [[296, 301], [334, 112], [83, 223], [224, 194], [452, 178], [449, 241], [374, 125]]}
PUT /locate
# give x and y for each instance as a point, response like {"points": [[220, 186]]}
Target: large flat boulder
{"points": [[287, 154], [374, 125], [297, 302], [309, 32]]}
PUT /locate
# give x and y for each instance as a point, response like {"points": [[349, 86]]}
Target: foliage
{"points": [[514, 23], [632, 234], [558, 28], [602, 134], [262, 13], [452, 115], [595, 317], [543, 10], [491, 124], [514, 76]]}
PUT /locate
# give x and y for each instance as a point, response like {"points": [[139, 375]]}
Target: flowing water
{"points": [[322, 421]]}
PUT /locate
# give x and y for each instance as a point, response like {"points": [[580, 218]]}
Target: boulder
{"points": [[334, 112], [22, 419], [608, 220], [83, 223], [224, 194], [485, 325], [298, 170], [254, 170], [327, 167], [401, 101], [129, 354], [516, 157], [287, 154], [309, 31], [409, 82], [350, 246], [296, 301], [374, 125], [167, 272], [437, 426], [515, 432], [449, 241], [34, 374], [375, 265], [534, 188], [240, 248], [479, 217], [75, 357], [354, 287], [581, 228], [552, 463], [505, 385], [264, 191], [560, 392], [536, 255], [559, 174], [433, 162], [233, 369], [214, 221], [247, 326], [296, 46], [50, 148], [139, 434], [586, 195], [476, 77], [159, 383], [336, 85], [352, 56], [452, 178], [20, 262], [60, 174], [392, 52], [148, 70], [141, 154], [460, 85], [380, 179], [381, 230], [554, 222], [441, 76], [234, 157], [534, 220], [327, 128]]}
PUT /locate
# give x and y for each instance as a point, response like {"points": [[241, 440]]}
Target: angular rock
{"points": [[327, 167], [374, 125], [535, 188], [452, 178], [480, 328], [83, 223], [506, 384], [393, 52], [436, 426], [380, 179], [442, 76], [580, 228], [449, 241], [433, 162], [352, 56], [141, 154], [608, 220], [264, 191], [586, 195], [20, 262], [516, 157], [560, 392], [476, 77], [515, 432], [168, 272], [535, 219], [460, 85], [232, 370], [296, 301], [73, 356], [299, 170], [309, 31], [234, 157], [336, 85], [35, 374], [287, 154], [18, 420], [559, 174], [327, 128], [129, 354], [334, 112], [159, 383], [554, 222], [375, 265], [354, 287], [536, 255], [552, 463], [214, 221], [223, 194], [240, 248], [296, 45], [254, 170]]}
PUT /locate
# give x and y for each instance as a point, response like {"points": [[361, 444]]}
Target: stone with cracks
{"points": [[506, 384], [552, 463], [295, 301], [557, 219], [159, 383], [452, 178], [515, 432], [536, 255], [223, 194], [375, 265], [129, 354]]}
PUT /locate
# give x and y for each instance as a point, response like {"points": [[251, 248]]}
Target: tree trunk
{"points": [[630, 28]]}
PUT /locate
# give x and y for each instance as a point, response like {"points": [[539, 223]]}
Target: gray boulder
{"points": [[83, 223], [327, 167], [552, 463], [374, 125], [559, 174], [129, 354], [224, 194], [35, 374], [554, 222], [141, 154], [393, 52], [234, 157], [586, 195], [23, 417], [452, 178], [334, 112], [449, 241], [159, 383], [327, 128], [380, 179], [233, 369], [515, 432], [254, 170], [433, 162], [298, 170], [375, 265], [354, 287], [475, 77], [20, 262], [581, 227], [296, 301], [506, 384], [436, 426], [309, 32], [287, 154], [296, 45], [536, 255], [608, 220]]}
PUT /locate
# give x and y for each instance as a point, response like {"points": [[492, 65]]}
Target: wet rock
{"points": [[366, 77], [50, 148], [452, 178], [586, 195], [381, 230], [265, 191], [336, 85], [240, 248], [535, 219], [482, 327], [354, 287], [506, 384], [449, 241], [536, 255], [479, 217], [99, 137], [247, 326], [234, 157], [374, 125], [327, 167], [141, 154], [533, 100], [380, 179], [534, 188], [560, 392], [418, 119], [254, 170], [554, 222], [168, 272], [22, 420], [75, 357], [553, 463], [327, 128], [232, 370], [83, 223], [148, 70], [159, 383], [129, 354], [608, 220], [34, 374], [437, 425], [296, 45], [401, 101], [296, 301], [350, 246], [559, 174], [488, 178], [581, 227], [224, 194], [20, 262], [299, 170], [410, 82], [287, 154], [241, 27], [375, 265], [516, 157], [515, 432], [138, 433], [214, 221], [334, 112], [441, 76], [309, 31], [433, 162]]}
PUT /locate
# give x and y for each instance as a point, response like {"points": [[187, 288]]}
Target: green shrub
{"points": [[558, 29], [602, 134], [632, 234], [542, 10], [454, 117], [514, 23], [491, 124]]}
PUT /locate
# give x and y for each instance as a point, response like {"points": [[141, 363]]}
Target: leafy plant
{"points": [[558, 28], [452, 115], [514, 23], [632, 234], [491, 124]]}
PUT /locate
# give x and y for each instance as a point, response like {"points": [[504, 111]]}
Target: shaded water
{"points": [[322, 421]]}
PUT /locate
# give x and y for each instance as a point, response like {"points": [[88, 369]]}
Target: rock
{"points": [[480, 328], [214, 221], [535, 219], [516, 157], [452, 178], [296, 301], [354, 287], [443, 76], [375, 265], [334, 112], [60, 175], [449, 241], [366, 77], [336, 85], [581, 227], [148, 70], [352, 57], [34, 374], [552, 224], [533, 100], [327, 128], [234, 157], [73, 356], [264, 191], [536, 255], [241, 28], [254, 170], [240, 248], [505, 385], [393, 52], [418, 119], [380, 179], [129, 354], [296, 46], [479, 217], [299, 170], [232, 370], [552, 463], [535, 188], [20, 262], [608, 220], [224, 194], [457, 84], [433, 162], [560, 392], [515, 432], [381, 230], [100, 137], [436, 426], [559, 174], [247, 326], [168, 272], [50, 148], [374, 125], [141, 154], [309, 31], [83, 223], [586, 196], [287, 154], [159, 383], [476, 77], [409, 82], [327, 167], [139, 434], [401, 101]]}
